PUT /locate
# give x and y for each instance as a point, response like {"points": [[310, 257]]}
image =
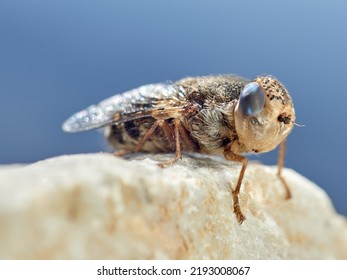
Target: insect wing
{"points": [[136, 103]]}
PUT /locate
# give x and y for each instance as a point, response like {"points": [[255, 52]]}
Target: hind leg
{"points": [[140, 144], [168, 133]]}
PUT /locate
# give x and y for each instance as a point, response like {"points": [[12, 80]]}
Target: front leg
{"points": [[280, 166], [229, 155]]}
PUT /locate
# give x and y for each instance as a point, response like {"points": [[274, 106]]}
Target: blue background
{"points": [[57, 57]]}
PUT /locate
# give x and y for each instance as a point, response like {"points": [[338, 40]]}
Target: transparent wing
{"points": [[136, 103]]}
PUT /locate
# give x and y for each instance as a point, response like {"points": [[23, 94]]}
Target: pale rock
{"points": [[98, 206]]}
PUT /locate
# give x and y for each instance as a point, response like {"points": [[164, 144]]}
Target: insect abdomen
{"points": [[126, 136]]}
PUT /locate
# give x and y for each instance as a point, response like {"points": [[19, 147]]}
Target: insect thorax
{"points": [[213, 127]]}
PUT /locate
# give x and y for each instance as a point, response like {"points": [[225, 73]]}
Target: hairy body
{"points": [[223, 114], [207, 117]]}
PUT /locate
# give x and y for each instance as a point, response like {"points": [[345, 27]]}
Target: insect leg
{"points": [[121, 153], [189, 143], [177, 124], [167, 131], [280, 166], [140, 144], [145, 137], [229, 155]]}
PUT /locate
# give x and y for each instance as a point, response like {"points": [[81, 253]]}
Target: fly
{"points": [[223, 114]]}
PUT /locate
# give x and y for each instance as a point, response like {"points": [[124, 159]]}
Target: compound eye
{"points": [[252, 99]]}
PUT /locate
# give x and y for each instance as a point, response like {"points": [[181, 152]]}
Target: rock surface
{"points": [[101, 207]]}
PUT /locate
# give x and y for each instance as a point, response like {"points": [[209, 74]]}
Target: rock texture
{"points": [[101, 207]]}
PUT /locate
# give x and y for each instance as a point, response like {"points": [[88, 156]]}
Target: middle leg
{"points": [[177, 124]]}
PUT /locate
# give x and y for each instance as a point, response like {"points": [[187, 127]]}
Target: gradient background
{"points": [[57, 57]]}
